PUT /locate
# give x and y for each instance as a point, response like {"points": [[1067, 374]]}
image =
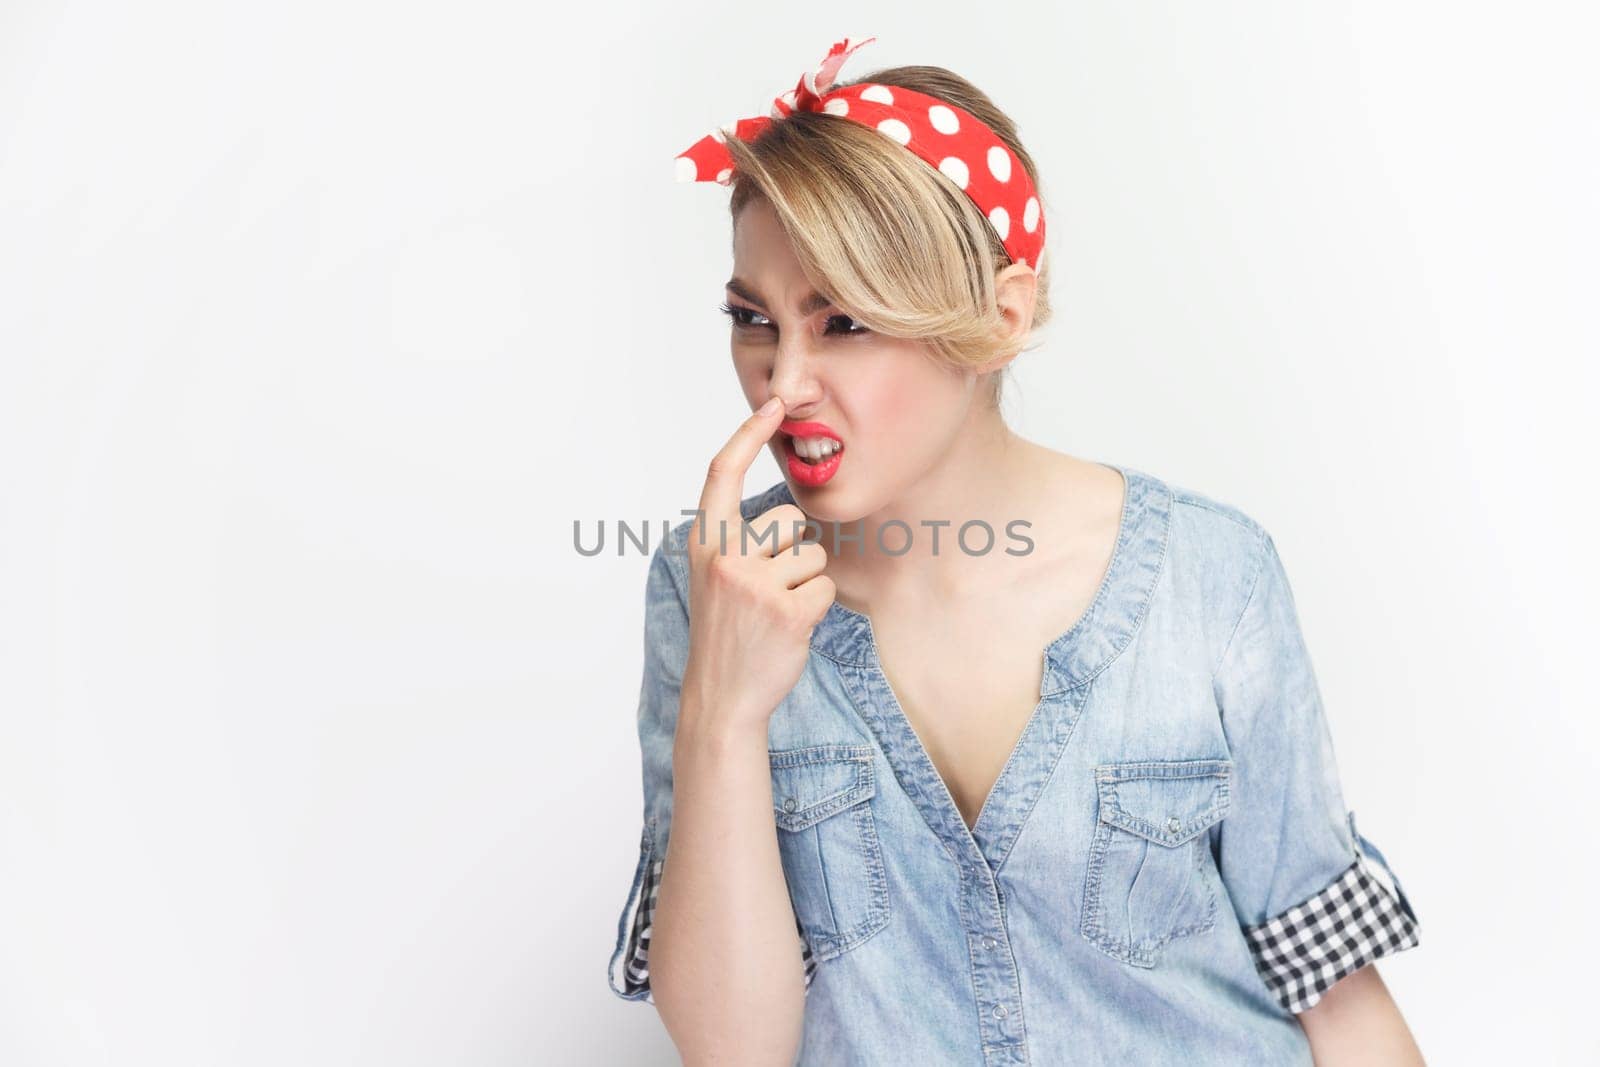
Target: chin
{"points": [[828, 504]]}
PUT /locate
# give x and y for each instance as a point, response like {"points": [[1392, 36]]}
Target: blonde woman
{"points": [[957, 749]]}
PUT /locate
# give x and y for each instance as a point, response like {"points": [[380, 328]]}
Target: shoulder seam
{"points": [[1179, 496], [1263, 542], [672, 575]]}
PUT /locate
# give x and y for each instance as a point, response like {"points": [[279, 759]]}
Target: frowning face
{"points": [[888, 411]]}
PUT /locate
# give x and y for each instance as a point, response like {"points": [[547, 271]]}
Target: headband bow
{"points": [[950, 139]]}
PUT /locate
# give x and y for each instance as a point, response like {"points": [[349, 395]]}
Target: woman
{"points": [[1132, 847]]}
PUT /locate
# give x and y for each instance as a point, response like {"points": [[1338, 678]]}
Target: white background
{"points": [[320, 324]]}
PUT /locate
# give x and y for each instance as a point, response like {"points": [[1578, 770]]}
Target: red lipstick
{"points": [[802, 471]]}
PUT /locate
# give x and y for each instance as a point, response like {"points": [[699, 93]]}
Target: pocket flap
{"points": [[1165, 801], [810, 784]]}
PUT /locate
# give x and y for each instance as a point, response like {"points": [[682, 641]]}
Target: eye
{"points": [[742, 318], [736, 314], [846, 318]]}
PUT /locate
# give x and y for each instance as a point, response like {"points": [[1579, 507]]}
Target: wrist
{"points": [[703, 732]]}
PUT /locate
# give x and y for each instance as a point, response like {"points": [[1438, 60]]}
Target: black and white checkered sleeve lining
{"points": [[636, 972], [1357, 919]]}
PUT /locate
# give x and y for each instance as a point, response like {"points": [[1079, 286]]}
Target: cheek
{"points": [[910, 403]]}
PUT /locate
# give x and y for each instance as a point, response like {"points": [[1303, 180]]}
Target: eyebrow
{"points": [[813, 302]]}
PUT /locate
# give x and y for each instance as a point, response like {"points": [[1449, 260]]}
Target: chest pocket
{"points": [[1150, 876], [827, 837]]}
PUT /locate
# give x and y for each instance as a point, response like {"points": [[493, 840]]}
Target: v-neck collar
{"points": [[1070, 661], [1103, 630]]}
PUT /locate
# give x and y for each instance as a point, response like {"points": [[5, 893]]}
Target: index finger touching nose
{"points": [[719, 498]]}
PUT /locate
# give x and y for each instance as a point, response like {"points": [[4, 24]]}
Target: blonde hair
{"points": [[892, 242]]}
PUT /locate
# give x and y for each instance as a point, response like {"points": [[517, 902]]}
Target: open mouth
{"points": [[812, 460], [814, 451]]}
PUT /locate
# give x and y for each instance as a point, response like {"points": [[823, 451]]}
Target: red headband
{"points": [[952, 141]]}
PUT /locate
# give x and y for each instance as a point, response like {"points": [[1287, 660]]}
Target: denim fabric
{"points": [[1164, 872]]}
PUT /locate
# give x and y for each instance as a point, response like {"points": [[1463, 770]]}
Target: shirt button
{"points": [[1000, 1011], [989, 942], [789, 804], [1173, 824]]}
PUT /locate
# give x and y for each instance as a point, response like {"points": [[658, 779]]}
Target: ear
{"points": [[1015, 290]]}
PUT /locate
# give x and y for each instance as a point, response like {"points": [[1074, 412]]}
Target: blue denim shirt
{"points": [[1164, 872]]}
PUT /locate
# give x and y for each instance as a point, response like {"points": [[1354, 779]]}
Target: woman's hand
{"points": [[753, 603]]}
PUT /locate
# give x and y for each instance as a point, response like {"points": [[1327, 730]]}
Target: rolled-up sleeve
{"points": [[1315, 899], [666, 651]]}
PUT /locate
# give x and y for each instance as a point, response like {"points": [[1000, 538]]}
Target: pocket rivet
{"points": [[789, 804], [1173, 825]]}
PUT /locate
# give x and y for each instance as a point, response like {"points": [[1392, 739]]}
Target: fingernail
{"points": [[770, 406]]}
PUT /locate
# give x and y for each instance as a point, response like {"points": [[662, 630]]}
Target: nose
{"points": [[794, 373]]}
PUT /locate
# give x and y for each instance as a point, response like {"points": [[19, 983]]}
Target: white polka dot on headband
{"points": [[950, 139]]}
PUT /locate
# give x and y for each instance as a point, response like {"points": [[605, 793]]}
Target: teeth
{"points": [[815, 448]]}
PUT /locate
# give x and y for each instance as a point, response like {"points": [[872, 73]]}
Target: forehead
{"points": [[765, 267], [760, 241]]}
